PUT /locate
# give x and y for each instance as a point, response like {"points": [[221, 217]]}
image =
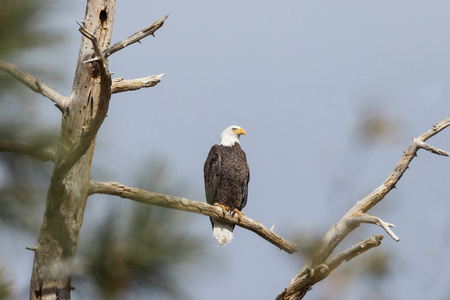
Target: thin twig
{"points": [[117, 189], [34, 84], [136, 37], [365, 218]]}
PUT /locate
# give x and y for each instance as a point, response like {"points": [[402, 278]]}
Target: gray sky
{"points": [[299, 76]]}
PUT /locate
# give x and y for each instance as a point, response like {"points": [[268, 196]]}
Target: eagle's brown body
{"points": [[226, 176]]}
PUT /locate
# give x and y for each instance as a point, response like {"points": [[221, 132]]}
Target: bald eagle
{"points": [[226, 180]]}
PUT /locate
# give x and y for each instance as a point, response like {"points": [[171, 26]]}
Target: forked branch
{"points": [[117, 189], [318, 260], [310, 277], [365, 218]]}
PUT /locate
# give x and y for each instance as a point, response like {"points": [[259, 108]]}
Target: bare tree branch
{"points": [[117, 189], [357, 214], [34, 84], [365, 218], [378, 194], [309, 277], [430, 148], [136, 37], [120, 85], [352, 252], [44, 154]]}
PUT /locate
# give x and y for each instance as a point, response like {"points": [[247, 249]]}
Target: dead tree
{"points": [[83, 113]]}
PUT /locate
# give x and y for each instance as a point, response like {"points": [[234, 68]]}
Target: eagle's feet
{"points": [[224, 208], [237, 211]]}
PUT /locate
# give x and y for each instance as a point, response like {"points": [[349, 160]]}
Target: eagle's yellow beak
{"points": [[240, 131]]}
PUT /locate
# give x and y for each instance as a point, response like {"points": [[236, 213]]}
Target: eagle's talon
{"points": [[237, 211], [223, 207]]}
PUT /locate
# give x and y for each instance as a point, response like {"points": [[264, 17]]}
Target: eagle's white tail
{"points": [[223, 231]]}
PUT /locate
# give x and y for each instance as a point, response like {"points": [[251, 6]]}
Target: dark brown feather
{"points": [[226, 176]]}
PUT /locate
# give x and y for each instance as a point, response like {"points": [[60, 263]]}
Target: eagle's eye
{"points": [[234, 128]]}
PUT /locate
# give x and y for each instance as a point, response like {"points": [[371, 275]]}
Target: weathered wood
{"points": [[136, 37], [120, 85], [298, 286], [309, 277], [34, 84], [117, 189], [83, 114]]}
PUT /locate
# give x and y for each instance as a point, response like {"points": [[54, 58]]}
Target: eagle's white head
{"points": [[231, 135]]}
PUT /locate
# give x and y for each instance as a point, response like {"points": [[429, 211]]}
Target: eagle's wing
{"points": [[247, 179], [211, 172]]}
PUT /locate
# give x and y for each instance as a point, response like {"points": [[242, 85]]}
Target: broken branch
{"points": [[120, 85]]}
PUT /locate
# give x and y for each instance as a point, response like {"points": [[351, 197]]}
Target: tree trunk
{"points": [[82, 116]]}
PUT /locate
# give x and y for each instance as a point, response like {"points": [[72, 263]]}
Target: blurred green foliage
{"points": [[137, 250], [19, 30], [23, 179], [5, 286]]}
